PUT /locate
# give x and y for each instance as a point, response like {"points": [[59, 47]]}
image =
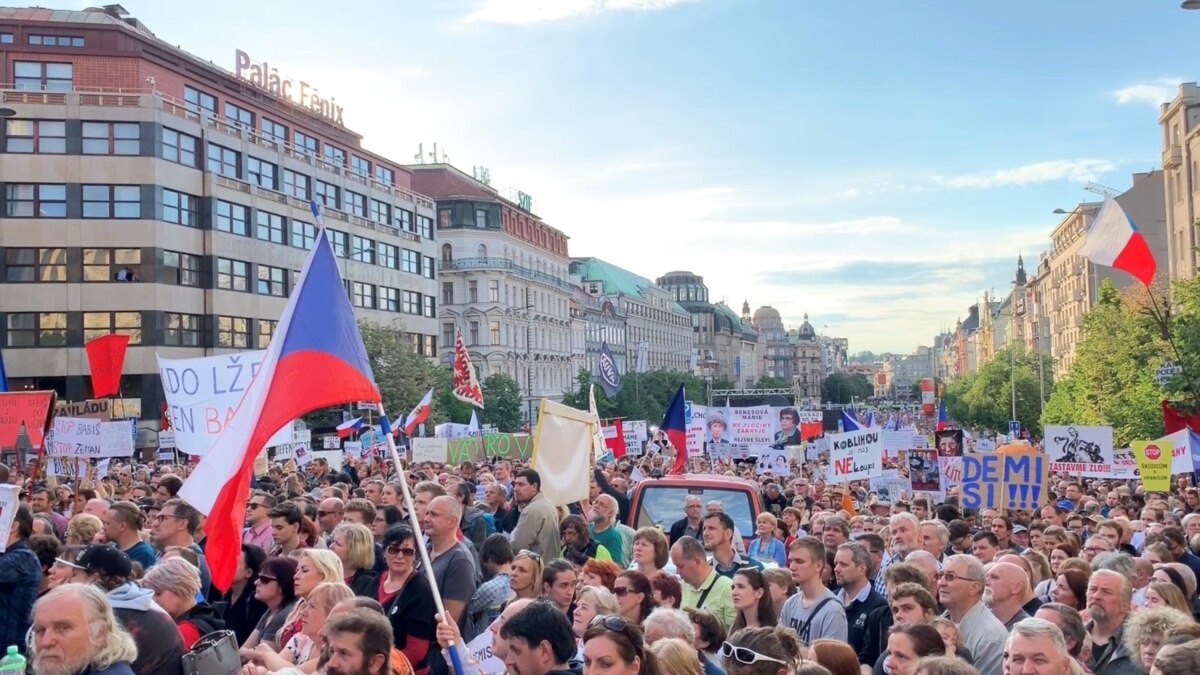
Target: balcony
{"points": [[462, 264], [1172, 157]]}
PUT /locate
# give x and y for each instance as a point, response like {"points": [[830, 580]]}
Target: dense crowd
{"points": [[108, 575]]}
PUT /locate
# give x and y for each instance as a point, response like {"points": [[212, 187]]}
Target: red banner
{"points": [[811, 430], [1173, 420], [616, 441], [106, 358], [31, 408]]}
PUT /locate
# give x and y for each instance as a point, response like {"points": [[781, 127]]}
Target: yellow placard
{"points": [[1154, 463]]}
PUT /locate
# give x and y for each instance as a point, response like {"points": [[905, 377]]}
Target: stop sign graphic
{"points": [[1153, 452]]}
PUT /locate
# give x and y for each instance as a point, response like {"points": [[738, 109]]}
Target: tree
{"points": [[984, 399], [644, 396], [844, 387], [403, 375], [771, 382], [502, 403]]}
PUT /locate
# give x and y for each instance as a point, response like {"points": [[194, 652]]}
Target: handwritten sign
{"points": [[491, 446], [8, 508], [1154, 463], [855, 455], [429, 449], [203, 394], [81, 437], [635, 433], [481, 654], [30, 408], [1014, 480]]}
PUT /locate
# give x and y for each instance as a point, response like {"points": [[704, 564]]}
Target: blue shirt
{"points": [[774, 550], [141, 553]]}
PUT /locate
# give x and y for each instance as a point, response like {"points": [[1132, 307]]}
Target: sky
{"points": [[877, 165]]}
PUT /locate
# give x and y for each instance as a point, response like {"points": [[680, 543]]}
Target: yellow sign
{"points": [[1154, 463]]}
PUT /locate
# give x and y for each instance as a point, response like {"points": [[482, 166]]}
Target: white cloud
{"points": [[1153, 92], [525, 12], [1072, 170]]}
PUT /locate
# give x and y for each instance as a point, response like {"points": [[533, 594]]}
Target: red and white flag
{"points": [[419, 414], [466, 385]]}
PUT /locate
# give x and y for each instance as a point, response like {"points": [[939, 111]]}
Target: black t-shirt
{"points": [[411, 613]]}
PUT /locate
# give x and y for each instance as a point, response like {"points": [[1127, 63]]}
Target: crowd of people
{"points": [[108, 575]]}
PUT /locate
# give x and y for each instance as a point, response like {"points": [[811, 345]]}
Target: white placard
{"points": [[1080, 450], [8, 508], [166, 440], [331, 443], [102, 467], [303, 454], [203, 393], [429, 449], [60, 466], [856, 455], [635, 434], [480, 651], [302, 436], [774, 460], [352, 448], [285, 452], [82, 437], [333, 457]]}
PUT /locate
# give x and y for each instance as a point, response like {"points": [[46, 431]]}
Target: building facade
{"points": [[727, 347], [777, 349], [807, 366], [504, 282], [1179, 121], [151, 193]]}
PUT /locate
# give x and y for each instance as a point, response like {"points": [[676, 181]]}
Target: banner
{"points": [[752, 425], [1015, 480], [697, 416], [949, 442], [1079, 450], [610, 375], [482, 657], [855, 455], [924, 470], [464, 381], [635, 433], [8, 508], [106, 358], [203, 393], [429, 449], [81, 437], [28, 408], [1124, 464], [451, 430], [774, 460], [491, 446], [96, 409], [562, 452], [1154, 463]]}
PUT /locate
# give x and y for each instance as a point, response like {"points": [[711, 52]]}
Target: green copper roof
{"points": [[616, 280]]}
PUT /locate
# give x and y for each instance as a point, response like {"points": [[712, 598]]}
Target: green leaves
{"points": [[984, 399], [843, 387]]}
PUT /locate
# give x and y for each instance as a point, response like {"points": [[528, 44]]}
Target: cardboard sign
{"points": [[855, 455], [1080, 450], [1154, 463], [31, 408], [81, 437], [1014, 480], [429, 449], [8, 508], [96, 409], [499, 446]]}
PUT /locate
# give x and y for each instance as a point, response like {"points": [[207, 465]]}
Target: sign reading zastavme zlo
{"points": [[264, 76]]}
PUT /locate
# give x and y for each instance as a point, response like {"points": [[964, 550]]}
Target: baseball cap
{"points": [[106, 560], [1019, 528]]}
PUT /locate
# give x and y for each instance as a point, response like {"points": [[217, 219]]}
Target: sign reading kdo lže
{"points": [[265, 76]]}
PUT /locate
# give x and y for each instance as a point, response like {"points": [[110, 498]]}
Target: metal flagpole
{"points": [[412, 519]]}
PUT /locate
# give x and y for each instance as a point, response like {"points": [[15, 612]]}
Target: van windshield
{"points": [[663, 505]]}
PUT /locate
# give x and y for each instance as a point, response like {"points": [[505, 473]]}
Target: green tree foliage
{"points": [[644, 396], [1111, 380], [1184, 389], [984, 399], [770, 382], [502, 403], [403, 375], [843, 387]]}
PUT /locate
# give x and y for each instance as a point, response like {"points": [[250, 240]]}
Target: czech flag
{"points": [[848, 422], [1114, 240], [316, 359], [352, 427], [419, 414], [675, 427], [942, 420]]}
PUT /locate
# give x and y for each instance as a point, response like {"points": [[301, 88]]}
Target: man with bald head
{"points": [[453, 564], [329, 516], [928, 565], [97, 507], [1031, 604], [1004, 586]]}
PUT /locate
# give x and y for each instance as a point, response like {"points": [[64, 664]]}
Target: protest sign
{"points": [[1124, 464], [752, 425], [1154, 463], [924, 470], [96, 409], [282, 452], [331, 443], [949, 442], [480, 650], [774, 460], [635, 433], [102, 467], [166, 455], [1012, 480], [303, 454], [985, 445], [333, 457], [561, 451], [451, 430], [8, 508], [696, 429], [429, 449], [1181, 456], [60, 466], [894, 441], [203, 394], [166, 439], [855, 455], [1080, 450], [491, 446], [82, 437], [952, 471], [29, 408], [351, 448]]}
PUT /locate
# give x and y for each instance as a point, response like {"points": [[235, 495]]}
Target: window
{"points": [[494, 332], [448, 335], [113, 201], [385, 175], [274, 130], [181, 269], [272, 281], [233, 218], [180, 147], [389, 256], [99, 324], [269, 227], [335, 155], [381, 212], [429, 347], [474, 332], [362, 250], [305, 143], [481, 218], [180, 208], [233, 332], [35, 264], [389, 299], [6, 38], [356, 203], [410, 261], [493, 291], [427, 267], [43, 137], [37, 200], [360, 165], [447, 292], [111, 138], [239, 116], [297, 185], [222, 160], [37, 329], [199, 100], [233, 275], [304, 235], [328, 195], [472, 291], [262, 173], [404, 219], [56, 40], [411, 303], [181, 330], [265, 330], [340, 242], [428, 307], [362, 295], [425, 227], [42, 75], [111, 264]]}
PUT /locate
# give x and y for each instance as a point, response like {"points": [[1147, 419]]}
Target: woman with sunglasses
{"points": [[752, 600], [612, 645], [526, 579], [406, 598], [762, 651], [273, 587], [635, 596]]}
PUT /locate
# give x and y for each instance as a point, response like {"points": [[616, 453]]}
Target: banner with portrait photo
{"points": [[716, 432], [949, 442], [924, 470], [1079, 450], [774, 460], [787, 429]]}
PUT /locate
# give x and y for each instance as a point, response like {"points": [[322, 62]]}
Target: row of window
{"points": [[49, 137], [49, 200], [56, 40]]}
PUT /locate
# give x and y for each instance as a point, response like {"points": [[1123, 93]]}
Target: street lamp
{"points": [[529, 361]]}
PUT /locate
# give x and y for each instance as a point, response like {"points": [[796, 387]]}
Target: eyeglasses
{"points": [[951, 577], [621, 591], [407, 551], [610, 622], [163, 516], [256, 505], [265, 580], [532, 554], [746, 656]]}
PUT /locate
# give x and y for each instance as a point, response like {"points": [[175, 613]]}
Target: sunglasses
{"points": [[745, 656], [407, 551], [532, 554], [621, 591], [610, 622], [266, 580]]}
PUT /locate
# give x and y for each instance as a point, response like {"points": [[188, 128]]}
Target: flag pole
{"points": [[420, 541]]}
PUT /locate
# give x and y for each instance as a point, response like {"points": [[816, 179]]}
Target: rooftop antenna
{"points": [[1102, 190], [420, 156]]}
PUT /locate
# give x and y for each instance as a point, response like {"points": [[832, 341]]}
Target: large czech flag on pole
{"points": [[674, 427], [1114, 240], [316, 359]]}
